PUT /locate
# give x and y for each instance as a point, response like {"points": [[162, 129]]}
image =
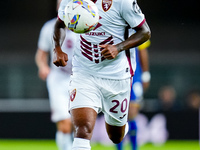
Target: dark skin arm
{"points": [[142, 34], [60, 58], [144, 59]]}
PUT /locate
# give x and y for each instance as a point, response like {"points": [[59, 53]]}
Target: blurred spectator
{"points": [[167, 99], [193, 100]]}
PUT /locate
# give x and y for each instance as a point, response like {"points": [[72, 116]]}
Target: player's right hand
{"points": [[44, 72], [59, 57]]}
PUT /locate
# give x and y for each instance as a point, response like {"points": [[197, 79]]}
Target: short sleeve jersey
{"points": [[45, 43], [115, 16]]}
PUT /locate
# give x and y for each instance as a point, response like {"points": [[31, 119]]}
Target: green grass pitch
{"points": [[50, 145]]}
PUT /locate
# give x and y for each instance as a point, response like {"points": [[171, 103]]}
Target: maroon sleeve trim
{"points": [[59, 19], [141, 23]]}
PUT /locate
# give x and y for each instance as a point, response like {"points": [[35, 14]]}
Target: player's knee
{"points": [[64, 126], [65, 130], [84, 131]]}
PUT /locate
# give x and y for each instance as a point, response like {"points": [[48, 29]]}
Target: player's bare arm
{"points": [[41, 59], [60, 58], [142, 34], [144, 61]]}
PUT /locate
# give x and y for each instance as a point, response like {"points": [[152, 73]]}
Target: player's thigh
{"points": [[136, 91], [135, 99], [64, 126], [134, 108]]}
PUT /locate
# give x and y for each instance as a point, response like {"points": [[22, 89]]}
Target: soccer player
{"points": [[141, 81], [102, 69], [57, 80]]}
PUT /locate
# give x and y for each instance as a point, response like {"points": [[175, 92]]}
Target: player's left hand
{"points": [[109, 51]]}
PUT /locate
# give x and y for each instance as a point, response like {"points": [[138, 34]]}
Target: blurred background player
{"points": [[57, 80], [140, 84]]}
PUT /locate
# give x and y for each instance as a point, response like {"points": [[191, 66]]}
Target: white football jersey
{"points": [[115, 16], [45, 43]]}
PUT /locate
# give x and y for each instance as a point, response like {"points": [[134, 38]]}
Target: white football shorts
{"points": [[58, 89], [106, 95]]}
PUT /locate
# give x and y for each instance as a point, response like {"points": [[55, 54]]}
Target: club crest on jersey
{"points": [[106, 4], [73, 95]]}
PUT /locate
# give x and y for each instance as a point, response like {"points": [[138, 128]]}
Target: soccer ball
{"points": [[81, 16]]}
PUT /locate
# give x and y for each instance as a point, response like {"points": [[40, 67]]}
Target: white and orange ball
{"points": [[81, 16]]}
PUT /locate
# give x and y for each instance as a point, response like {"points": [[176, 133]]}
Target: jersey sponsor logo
{"points": [[106, 4], [73, 95], [93, 51], [96, 33]]}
